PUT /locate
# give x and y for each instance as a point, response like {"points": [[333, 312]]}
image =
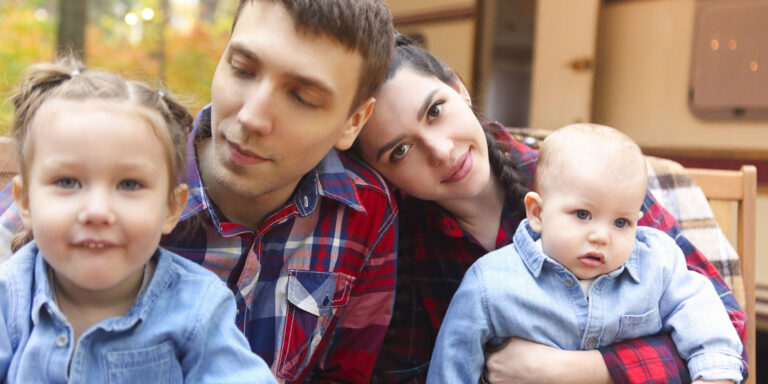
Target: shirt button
{"points": [[62, 340], [306, 202], [591, 342], [568, 282]]}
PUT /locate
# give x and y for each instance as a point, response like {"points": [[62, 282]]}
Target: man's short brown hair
{"points": [[360, 25]]}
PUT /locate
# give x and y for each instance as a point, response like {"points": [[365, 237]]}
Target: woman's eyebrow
{"points": [[425, 105], [389, 145]]}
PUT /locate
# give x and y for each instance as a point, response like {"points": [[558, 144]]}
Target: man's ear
{"points": [[354, 124], [533, 206], [175, 208], [21, 198], [459, 87]]}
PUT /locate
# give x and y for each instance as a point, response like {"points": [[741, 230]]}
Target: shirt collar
{"points": [[44, 298], [525, 243], [328, 179]]}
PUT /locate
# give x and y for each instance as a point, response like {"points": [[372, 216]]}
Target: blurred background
{"points": [[686, 79], [174, 42]]}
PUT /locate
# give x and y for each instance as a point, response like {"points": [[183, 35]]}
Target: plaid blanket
{"points": [[676, 191]]}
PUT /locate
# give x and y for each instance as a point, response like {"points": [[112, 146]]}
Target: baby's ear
{"points": [[21, 198], [533, 206], [640, 216]]}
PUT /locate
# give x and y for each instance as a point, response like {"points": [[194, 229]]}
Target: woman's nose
{"points": [[439, 149]]}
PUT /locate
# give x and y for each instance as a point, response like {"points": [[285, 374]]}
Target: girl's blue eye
{"points": [[621, 223], [67, 183], [582, 214], [129, 185], [399, 152]]}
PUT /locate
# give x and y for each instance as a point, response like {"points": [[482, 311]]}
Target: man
{"points": [[303, 234]]}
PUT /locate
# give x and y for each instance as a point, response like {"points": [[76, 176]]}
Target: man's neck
{"points": [[249, 211]]}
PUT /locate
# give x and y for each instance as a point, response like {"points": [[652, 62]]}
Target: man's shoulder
{"points": [[362, 174]]}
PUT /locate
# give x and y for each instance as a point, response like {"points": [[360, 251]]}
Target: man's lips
{"points": [[242, 156], [592, 259], [460, 168]]}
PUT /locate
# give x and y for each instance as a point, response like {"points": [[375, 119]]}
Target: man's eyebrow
{"points": [[425, 105], [389, 145], [242, 49]]}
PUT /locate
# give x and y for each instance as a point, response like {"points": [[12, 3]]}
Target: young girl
{"points": [[92, 298], [463, 184]]}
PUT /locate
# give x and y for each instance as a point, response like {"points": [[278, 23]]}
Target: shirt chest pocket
{"points": [[634, 326], [156, 364], [314, 298]]}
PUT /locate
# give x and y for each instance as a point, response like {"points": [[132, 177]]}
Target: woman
{"points": [[462, 185]]}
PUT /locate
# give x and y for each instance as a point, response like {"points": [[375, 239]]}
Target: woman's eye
{"points": [[582, 214], [67, 183], [435, 111], [399, 152], [621, 223], [129, 185]]}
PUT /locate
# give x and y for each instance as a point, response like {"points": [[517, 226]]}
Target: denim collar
{"points": [[44, 298]]}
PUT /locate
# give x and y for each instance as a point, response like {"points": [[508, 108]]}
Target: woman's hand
{"points": [[522, 361]]}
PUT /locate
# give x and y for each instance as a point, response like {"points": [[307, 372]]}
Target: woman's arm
{"points": [[522, 361]]}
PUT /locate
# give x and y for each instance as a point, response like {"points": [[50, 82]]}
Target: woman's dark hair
{"points": [[503, 166]]}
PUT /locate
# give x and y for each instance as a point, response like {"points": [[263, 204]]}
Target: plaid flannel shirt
{"points": [[435, 252], [314, 284]]}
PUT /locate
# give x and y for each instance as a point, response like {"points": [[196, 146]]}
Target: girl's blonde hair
{"points": [[67, 79]]}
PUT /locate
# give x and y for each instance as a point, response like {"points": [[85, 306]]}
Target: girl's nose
{"points": [[97, 210]]}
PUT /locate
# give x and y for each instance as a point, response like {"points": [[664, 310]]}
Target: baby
{"points": [[581, 274], [92, 299]]}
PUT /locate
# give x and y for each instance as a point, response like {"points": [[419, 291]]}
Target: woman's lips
{"points": [[460, 168]]}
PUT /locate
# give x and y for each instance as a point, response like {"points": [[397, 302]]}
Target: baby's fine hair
{"points": [[567, 144], [67, 79]]}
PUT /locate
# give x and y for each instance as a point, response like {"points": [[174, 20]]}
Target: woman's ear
{"points": [[458, 86], [21, 198], [533, 206]]}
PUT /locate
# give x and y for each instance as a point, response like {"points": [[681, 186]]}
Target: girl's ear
{"points": [[533, 206], [21, 198], [459, 87], [175, 207]]}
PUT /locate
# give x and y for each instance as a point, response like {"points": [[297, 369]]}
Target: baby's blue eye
{"points": [[621, 223], [67, 183], [129, 185], [582, 214]]}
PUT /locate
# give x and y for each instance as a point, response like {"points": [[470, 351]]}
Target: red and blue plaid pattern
{"points": [[435, 252], [314, 284]]}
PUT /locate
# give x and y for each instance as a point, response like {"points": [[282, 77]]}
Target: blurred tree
{"points": [[207, 10], [71, 32]]}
